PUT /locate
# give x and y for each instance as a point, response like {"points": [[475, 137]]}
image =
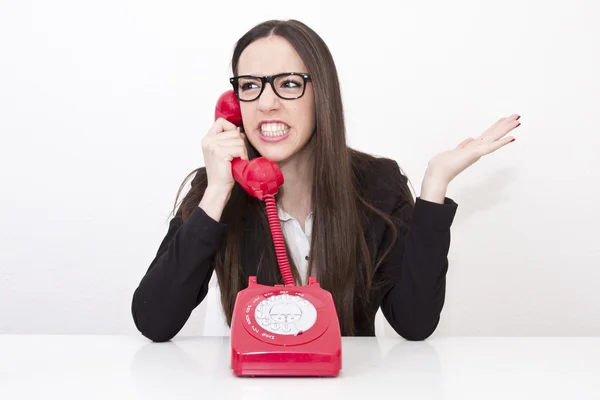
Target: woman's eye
{"points": [[291, 84], [249, 86]]}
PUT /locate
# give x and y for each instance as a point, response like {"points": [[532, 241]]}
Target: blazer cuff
{"points": [[200, 225], [434, 215]]}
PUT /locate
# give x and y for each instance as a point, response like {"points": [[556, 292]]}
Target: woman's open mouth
{"points": [[274, 131]]}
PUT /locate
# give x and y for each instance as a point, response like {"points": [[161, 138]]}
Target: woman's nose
{"points": [[268, 100]]}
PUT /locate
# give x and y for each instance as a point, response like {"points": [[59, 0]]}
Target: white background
{"points": [[103, 106]]}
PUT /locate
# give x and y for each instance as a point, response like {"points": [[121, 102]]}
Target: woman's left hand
{"points": [[445, 166]]}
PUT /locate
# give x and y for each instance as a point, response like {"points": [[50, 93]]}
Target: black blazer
{"points": [[178, 277]]}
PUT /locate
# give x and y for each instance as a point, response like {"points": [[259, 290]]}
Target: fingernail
{"points": [[518, 116], [512, 140]]}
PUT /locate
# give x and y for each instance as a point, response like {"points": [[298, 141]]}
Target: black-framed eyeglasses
{"points": [[288, 85]]}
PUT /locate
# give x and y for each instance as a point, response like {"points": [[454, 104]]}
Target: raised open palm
{"points": [[449, 164]]}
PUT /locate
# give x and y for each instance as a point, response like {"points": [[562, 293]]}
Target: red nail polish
{"points": [[518, 117], [512, 140]]}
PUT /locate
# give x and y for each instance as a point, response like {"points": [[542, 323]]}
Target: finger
{"points": [[464, 143], [501, 130], [233, 151], [502, 121], [505, 128], [498, 144], [231, 142], [221, 125], [229, 135], [216, 142], [213, 141], [493, 126], [509, 119]]}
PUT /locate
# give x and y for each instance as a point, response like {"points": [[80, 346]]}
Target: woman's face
{"points": [[276, 127]]}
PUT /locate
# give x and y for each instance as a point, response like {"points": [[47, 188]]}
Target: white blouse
{"points": [[299, 244]]}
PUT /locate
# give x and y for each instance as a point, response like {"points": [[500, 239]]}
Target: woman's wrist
{"points": [[434, 188], [214, 200]]}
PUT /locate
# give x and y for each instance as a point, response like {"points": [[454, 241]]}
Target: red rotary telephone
{"points": [[281, 330]]}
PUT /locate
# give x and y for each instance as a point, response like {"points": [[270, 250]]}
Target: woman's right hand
{"points": [[220, 146]]}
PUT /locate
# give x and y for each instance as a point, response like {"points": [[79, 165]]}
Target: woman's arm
{"points": [[418, 263], [416, 266], [178, 277]]}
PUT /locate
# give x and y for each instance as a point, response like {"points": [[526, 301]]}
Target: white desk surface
{"points": [[130, 367]]}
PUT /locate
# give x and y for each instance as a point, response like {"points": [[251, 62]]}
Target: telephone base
{"points": [[287, 364], [313, 373], [285, 331]]}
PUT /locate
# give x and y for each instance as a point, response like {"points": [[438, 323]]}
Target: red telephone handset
{"points": [[281, 330]]}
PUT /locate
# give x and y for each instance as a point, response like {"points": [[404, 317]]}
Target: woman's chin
{"points": [[276, 155], [279, 152]]}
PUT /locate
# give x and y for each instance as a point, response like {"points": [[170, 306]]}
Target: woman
{"points": [[349, 218]]}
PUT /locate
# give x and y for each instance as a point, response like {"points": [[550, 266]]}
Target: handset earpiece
{"points": [[260, 176]]}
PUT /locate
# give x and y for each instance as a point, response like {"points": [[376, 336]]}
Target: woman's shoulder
{"points": [[379, 178]]}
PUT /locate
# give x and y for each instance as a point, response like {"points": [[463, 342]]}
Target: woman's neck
{"points": [[296, 193]]}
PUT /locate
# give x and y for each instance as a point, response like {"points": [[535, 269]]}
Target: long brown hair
{"points": [[339, 252]]}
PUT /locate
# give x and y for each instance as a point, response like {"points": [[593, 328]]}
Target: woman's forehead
{"points": [[270, 56]]}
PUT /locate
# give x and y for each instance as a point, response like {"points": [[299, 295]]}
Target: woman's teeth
{"points": [[274, 129]]}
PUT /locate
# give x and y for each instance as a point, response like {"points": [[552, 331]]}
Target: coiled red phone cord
{"points": [[278, 240]]}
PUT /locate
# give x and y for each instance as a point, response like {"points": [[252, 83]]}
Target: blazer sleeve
{"points": [[178, 277], [417, 265]]}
